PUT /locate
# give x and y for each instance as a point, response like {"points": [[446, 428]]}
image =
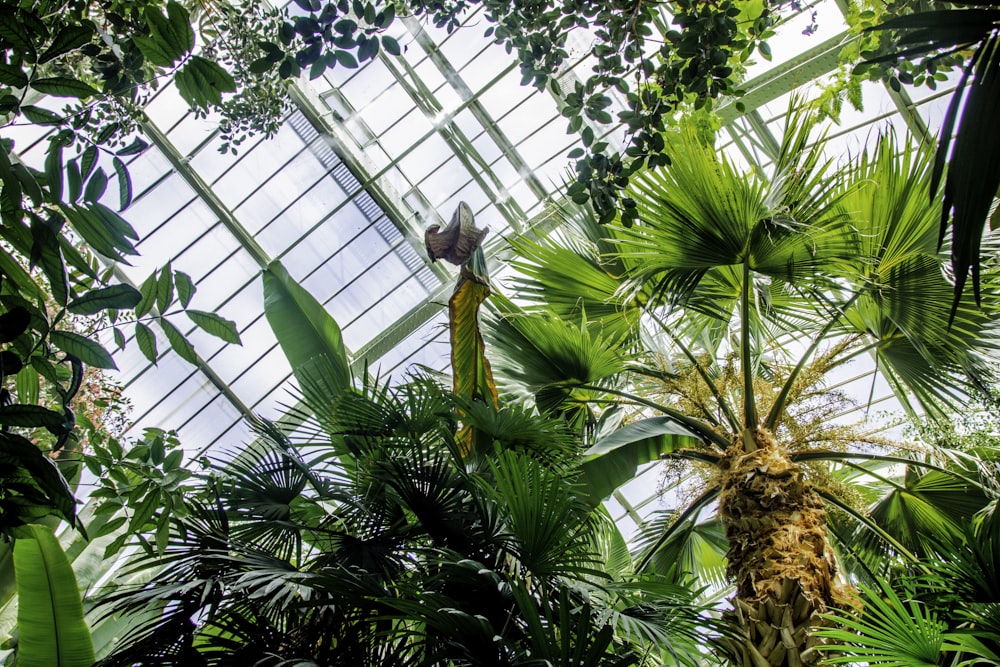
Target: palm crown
{"points": [[733, 297]]}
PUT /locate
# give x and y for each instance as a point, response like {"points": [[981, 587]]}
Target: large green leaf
{"points": [[613, 460], [51, 628], [216, 325], [114, 296], [86, 350], [308, 335], [62, 86], [171, 35], [202, 82]]}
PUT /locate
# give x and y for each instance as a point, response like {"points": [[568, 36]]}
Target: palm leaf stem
{"points": [[702, 430], [779, 404], [694, 455], [872, 526], [746, 366], [823, 455], [689, 512], [702, 371], [871, 473]]}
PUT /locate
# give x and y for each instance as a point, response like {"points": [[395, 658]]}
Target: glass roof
{"points": [[367, 159]]}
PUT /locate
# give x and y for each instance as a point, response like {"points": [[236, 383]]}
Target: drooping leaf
{"points": [[171, 35], [63, 86], [146, 339], [74, 180], [26, 384], [178, 342], [185, 288], [472, 376], [46, 252], [51, 628], [68, 38], [30, 416], [41, 116], [148, 292], [613, 460], [124, 184], [137, 146], [54, 169], [165, 289], [45, 486], [96, 225], [114, 296], [96, 186], [202, 82], [216, 325], [88, 351], [308, 335]]}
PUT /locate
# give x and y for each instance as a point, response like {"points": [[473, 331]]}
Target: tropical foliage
{"points": [[381, 536], [724, 312], [919, 47]]}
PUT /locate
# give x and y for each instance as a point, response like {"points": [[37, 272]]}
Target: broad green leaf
{"points": [[185, 288], [146, 339], [51, 628], [30, 416], [613, 460], [28, 183], [41, 116], [308, 335], [18, 453], [86, 350], [171, 35], [63, 86], [12, 75], [148, 292], [114, 296], [13, 271], [154, 51], [124, 184], [73, 257], [88, 160], [137, 146], [46, 252], [26, 384], [54, 169], [178, 342], [216, 325], [12, 30], [202, 82], [165, 289], [96, 186], [70, 37], [93, 227], [74, 180], [346, 58]]}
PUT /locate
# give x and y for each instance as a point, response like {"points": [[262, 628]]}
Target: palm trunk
{"points": [[779, 556]]}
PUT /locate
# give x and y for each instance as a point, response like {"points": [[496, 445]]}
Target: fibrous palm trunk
{"points": [[779, 556]]}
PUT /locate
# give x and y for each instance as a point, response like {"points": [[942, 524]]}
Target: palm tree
{"points": [[730, 302], [380, 535]]}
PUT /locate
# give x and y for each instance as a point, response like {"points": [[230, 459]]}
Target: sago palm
{"points": [[732, 300]]}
